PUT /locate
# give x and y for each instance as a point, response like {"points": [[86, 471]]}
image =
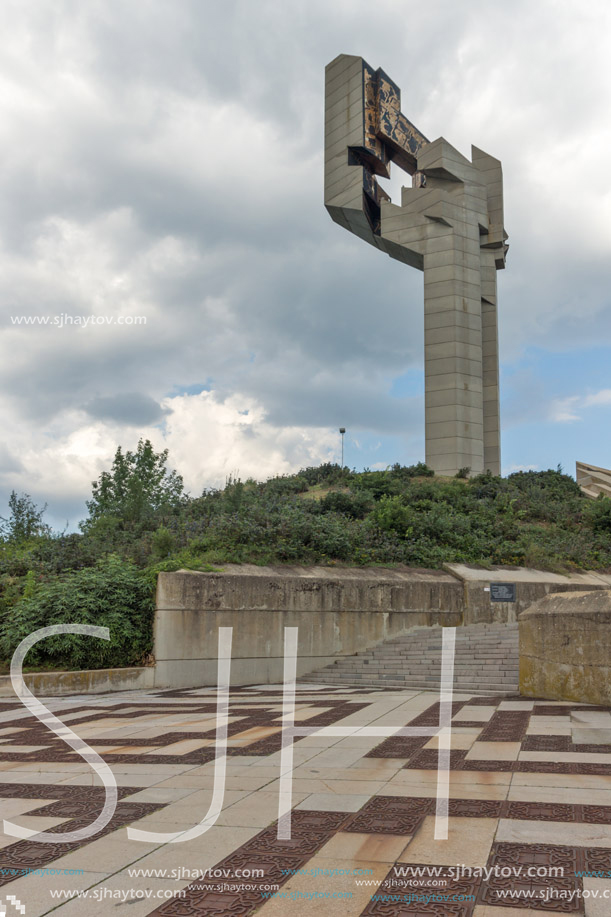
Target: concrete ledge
{"points": [[90, 681], [531, 585], [565, 648]]}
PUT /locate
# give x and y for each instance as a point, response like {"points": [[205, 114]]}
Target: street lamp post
{"points": [[342, 430]]}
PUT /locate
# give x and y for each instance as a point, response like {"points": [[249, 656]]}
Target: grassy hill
{"points": [[322, 515], [404, 515]]}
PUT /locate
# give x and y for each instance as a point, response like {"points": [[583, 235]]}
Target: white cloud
{"points": [[599, 398], [166, 160], [566, 410], [208, 439], [563, 410]]}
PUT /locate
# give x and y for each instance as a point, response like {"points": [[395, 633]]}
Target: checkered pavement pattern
{"points": [[530, 786]]}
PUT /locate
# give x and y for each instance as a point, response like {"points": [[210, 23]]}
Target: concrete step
{"points": [[485, 661]]}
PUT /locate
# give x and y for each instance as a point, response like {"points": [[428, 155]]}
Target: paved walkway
{"points": [[530, 791]]}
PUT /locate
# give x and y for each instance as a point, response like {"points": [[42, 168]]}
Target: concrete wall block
{"points": [[455, 273], [451, 462], [489, 335], [449, 397], [342, 88], [337, 612], [347, 107], [451, 349], [441, 238], [343, 63], [456, 445], [350, 133], [454, 413], [443, 381], [451, 332], [459, 365], [88, 681], [565, 648], [454, 315], [344, 184], [458, 429], [452, 256], [462, 288], [455, 302]]}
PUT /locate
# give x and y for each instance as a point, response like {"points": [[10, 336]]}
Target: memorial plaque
{"points": [[502, 592]]}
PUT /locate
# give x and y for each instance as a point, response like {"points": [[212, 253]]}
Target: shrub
{"points": [[327, 473], [355, 505], [419, 470], [598, 515], [162, 542], [112, 594]]}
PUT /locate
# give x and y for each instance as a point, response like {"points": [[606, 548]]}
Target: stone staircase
{"points": [[485, 661]]}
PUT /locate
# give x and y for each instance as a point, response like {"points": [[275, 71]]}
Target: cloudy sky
{"points": [[162, 161]]}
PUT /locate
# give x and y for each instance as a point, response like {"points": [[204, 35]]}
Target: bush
{"points": [[162, 542], [598, 515], [328, 473], [354, 505], [419, 470], [112, 594]]}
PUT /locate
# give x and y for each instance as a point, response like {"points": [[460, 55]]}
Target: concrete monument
{"points": [[450, 226], [593, 480]]}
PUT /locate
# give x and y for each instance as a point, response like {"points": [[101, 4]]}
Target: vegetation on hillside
{"points": [[140, 521]]}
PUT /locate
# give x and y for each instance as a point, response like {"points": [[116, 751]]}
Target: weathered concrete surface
{"points": [[531, 585], [338, 612], [90, 681], [565, 648]]}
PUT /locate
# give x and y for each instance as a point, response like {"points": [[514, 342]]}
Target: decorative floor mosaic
{"points": [[530, 800]]}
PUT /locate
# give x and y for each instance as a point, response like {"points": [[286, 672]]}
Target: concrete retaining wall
{"points": [[338, 612], [565, 648]]}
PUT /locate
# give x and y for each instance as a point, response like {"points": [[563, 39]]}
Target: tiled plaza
{"points": [[530, 792]]}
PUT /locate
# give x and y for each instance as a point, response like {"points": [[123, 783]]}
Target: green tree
{"points": [[25, 520], [137, 490]]}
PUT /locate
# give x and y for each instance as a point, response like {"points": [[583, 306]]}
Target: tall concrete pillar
{"points": [[449, 225]]}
